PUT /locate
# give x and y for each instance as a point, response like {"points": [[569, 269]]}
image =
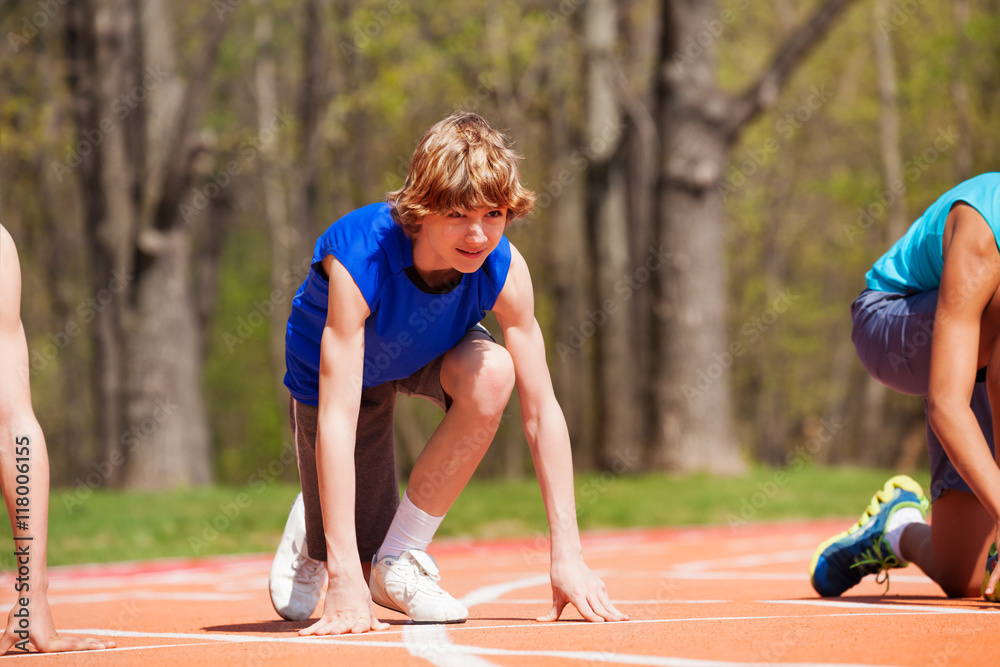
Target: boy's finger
{"points": [[554, 613], [992, 584], [64, 644]]}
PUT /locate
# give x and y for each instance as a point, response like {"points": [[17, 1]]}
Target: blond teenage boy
{"points": [[393, 304], [24, 479]]}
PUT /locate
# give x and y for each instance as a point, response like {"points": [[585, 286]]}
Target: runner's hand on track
{"points": [[989, 591], [42, 632], [347, 608], [574, 583]]}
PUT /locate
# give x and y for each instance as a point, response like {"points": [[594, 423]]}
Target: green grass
{"points": [[115, 526]]}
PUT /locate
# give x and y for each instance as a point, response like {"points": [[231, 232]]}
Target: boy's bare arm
{"points": [[548, 438], [348, 604], [24, 476], [965, 339]]}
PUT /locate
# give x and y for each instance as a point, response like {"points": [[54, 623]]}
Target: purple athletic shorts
{"points": [[892, 334]]}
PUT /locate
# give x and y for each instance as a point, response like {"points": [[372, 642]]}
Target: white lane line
{"points": [[901, 606], [751, 560], [749, 576], [148, 595], [119, 649], [431, 643], [437, 649], [548, 601], [427, 640], [491, 593], [633, 659]]}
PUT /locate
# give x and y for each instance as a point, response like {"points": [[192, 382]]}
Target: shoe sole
{"points": [[283, 611], [387, 606], [899, 481]]}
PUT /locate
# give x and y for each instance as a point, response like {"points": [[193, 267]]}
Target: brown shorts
{"points": [[376, 487]]}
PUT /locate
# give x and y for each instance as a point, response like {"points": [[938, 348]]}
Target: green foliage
{"points": [[802, 177], [114, 526], [797, 219], [247, 417]]}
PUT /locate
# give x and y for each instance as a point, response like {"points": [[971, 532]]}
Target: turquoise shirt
{"points": [[915, 262]]}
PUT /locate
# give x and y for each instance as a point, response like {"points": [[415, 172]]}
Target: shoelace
{"points": [[414, 571], [875, 555], [307, 570], [885, 562]]}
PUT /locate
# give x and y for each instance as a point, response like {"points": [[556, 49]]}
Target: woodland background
{"points": [[714, 179]]}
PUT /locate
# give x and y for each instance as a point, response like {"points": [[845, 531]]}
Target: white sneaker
{"points": [[408, 584], [296, 580]]}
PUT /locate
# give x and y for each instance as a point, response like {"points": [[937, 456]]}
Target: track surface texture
{"points": [[702, 597]]}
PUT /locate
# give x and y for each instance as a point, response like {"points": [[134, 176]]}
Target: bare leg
{"points": [[479, 376], [952, 550]]}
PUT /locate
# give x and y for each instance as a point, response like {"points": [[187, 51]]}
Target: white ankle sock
{"points": [[897, 523], [411, 528]]}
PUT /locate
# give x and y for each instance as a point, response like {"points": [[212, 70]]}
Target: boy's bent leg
{"points": [[377, 490], [477, 376], [952, 550], [298, 572], [472, 382]]}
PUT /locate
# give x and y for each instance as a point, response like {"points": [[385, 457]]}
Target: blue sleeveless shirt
{"points": [[410, 325], [915, 262]]}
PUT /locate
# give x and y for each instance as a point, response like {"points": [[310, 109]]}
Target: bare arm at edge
{"points": [[348, 606], [548, 437]]}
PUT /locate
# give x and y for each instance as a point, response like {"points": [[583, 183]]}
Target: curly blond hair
{"points": [[460, 164]]}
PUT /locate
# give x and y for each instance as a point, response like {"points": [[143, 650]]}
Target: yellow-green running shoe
{"points": [[991, 563], [845, 559]]}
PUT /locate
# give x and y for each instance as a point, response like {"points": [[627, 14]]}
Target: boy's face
{"points": [[458, 241]]}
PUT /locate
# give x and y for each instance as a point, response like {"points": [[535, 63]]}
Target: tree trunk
{"points": [[607, 213], [960, 93], [876, 448], [134, 183], [694, 430], [571, 357], [697, 126], [170, 444], [94, 84], [282, 234]]}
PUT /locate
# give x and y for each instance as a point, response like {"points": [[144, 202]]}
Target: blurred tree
{"points": [[698, 124], [607, 211], [139, 122]]}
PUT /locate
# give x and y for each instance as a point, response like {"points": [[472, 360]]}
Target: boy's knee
{"points": [[490, 382], [495, 379]]}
